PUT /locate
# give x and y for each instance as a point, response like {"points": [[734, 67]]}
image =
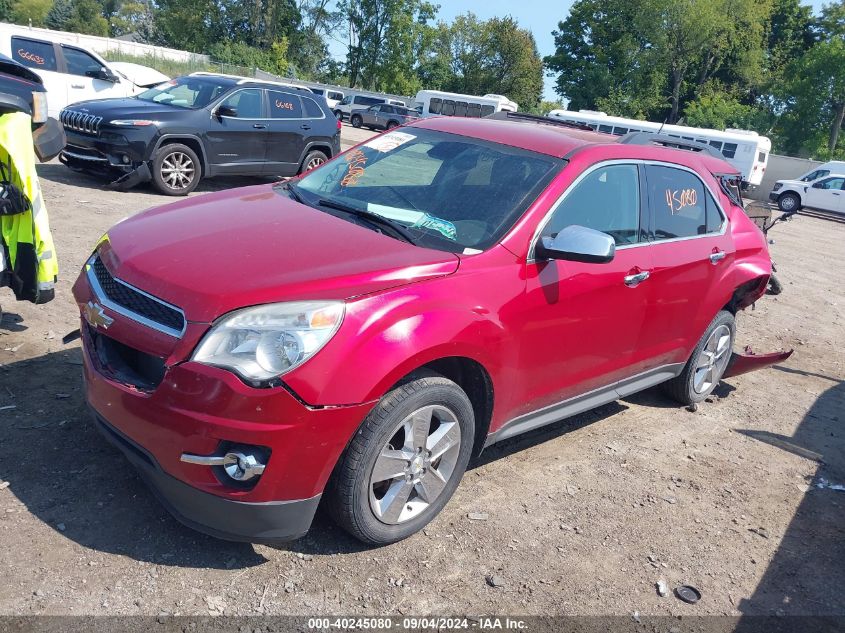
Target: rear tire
{"points": [[707, 363], [338, 115], [356, 120], [176, 170], [789, 202], [392, 124], [312, 160], [405, 432]]}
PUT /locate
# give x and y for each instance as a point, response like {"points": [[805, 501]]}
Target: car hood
{"points": [[793, 183], [141, 76], [254, 245], [123, 107]]}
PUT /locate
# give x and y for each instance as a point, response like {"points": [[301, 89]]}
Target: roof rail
{"points": [[650, 138], [536, 118]]}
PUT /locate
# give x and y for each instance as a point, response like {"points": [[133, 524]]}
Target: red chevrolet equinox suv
{"points": [[356, 335]]}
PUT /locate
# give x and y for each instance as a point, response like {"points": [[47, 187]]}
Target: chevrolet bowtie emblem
{"points": [[93, 313]]}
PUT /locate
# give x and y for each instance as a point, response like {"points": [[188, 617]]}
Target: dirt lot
{"points": [[582, 518]]}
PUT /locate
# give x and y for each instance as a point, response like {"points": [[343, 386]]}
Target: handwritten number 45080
{"points": [[681, 198]]}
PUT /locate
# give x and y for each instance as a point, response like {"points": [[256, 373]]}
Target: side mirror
{"points": [[227, 110], [577, 244], [103, 73], [817, 185]]}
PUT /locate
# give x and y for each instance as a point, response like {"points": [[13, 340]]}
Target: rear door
{"points": [[690, 251], [237, 142], [826, 194], [41, 57], [288, 126]]}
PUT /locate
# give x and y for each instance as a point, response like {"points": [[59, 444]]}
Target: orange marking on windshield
{"points": [[357, 161]]}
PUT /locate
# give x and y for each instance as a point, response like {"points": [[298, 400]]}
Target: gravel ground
{"points": [[583, 517]]}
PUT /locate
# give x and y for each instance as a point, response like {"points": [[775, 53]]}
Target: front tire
{"points": [[356, 121], [176, 170], [789, 202], [405, 461], [708, 362]]}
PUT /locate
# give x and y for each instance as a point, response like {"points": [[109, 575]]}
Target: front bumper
{"points": [[774, 195], [268, 522]]}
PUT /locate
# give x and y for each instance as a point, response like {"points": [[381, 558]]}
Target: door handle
{"points": [[305, 126], [78, 86], [259, 126], [636, 279], [718, 256]]}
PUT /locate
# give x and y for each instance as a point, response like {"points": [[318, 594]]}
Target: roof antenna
{"points": [[662, 124]]}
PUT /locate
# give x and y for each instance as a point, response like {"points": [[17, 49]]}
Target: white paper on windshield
{"points": [[389, 141], [395, 213]]}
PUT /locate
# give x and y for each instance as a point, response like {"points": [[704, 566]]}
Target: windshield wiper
{"points": [[289, 186], [369, 216]]}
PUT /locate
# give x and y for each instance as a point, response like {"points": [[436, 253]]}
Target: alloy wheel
{"points": [[415, 464], [713, 359], [314, 162], [177, 170]]}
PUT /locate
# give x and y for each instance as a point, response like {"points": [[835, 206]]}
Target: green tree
{"points": [[87, 17], [6, 10], [30, 11], [59, 15]]}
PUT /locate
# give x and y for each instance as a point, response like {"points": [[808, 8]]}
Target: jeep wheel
{"points": [[789, 202], [356, 120], [312, 160], [176, 170], [405, 462], [338, 115], [707, 363], [392, 124]]}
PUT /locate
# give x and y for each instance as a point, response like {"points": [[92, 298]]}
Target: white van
{"points": [[70, 72], [333, 97], [439, 103]]}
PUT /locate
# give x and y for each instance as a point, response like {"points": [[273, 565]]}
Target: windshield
{"points": [[185, 92], [449, 192]]}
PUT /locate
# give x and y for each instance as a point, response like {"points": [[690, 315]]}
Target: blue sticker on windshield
{"points": [[444, 227]]}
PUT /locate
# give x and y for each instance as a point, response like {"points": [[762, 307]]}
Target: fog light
{"points": [[240, 466], [125, 159]]}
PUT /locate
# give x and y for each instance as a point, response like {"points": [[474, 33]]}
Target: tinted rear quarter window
{"points": [[285, 106], [312, 110], [681, 204], [34, 54]]}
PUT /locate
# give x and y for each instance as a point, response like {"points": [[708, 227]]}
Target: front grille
{"points": [[80, 122], [135, 303]]}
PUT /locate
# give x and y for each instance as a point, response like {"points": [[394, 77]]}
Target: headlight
{"points": [[132, 122], [265, 342], [39, 107]]}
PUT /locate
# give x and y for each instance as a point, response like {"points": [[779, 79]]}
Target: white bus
{"points": [[435, 102], [744, 149]]}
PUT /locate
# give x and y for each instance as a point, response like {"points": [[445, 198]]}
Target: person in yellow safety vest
{"points": [[27, 257]]}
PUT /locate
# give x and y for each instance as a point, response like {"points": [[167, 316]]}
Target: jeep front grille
{"points": [[132, 302], [80, 122]]}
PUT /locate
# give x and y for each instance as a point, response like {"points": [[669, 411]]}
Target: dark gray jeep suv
{"points": [[199, 126]]}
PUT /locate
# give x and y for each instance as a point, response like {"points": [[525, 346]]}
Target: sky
{"points": [[539, 16]]}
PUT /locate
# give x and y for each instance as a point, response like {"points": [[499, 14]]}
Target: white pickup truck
{"points": [[72, 73]]}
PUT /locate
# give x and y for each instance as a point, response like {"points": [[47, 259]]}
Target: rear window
{"points": [[34, 54], [761, 157], [284, 105]]}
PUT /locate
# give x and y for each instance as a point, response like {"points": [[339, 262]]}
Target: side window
{"points": [[80, 63], [312, 110], [729, 150], [284, 105], [448, 108], [434, 105], [607, 200], [834, 183], [487, 110], [679, 202], [247, 103], [34, 54], [460, 108], [607, 129], [716, 144], [474, 110], [714, 217]]}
